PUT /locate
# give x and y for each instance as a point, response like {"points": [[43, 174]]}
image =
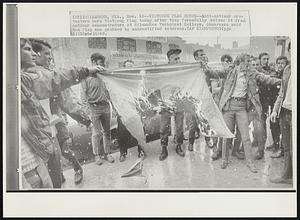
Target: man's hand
{"points": [[273, 117], [96, 69], [158, 109]]}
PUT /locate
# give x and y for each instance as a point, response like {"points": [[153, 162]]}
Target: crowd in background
{"points": [[248, 90]]}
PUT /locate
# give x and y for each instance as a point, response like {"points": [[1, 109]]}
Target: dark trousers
{"points": [[165, 127], [54, 167], [125, 138], [285, 121], [65, 141], [193, 127]]}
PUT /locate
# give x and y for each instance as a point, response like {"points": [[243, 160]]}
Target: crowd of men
{"points": [[248, 90]]}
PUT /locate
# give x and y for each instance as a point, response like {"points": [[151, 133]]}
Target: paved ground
{"points": [[195, 171]]}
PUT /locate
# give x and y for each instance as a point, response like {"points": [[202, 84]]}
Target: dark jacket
{"points": [[268, 93]]}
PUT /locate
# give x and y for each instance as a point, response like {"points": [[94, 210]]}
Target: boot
{"points": [[251, 166], [63, 179], [179, 151], [238, 155], [259, 155], [78, 176], [164, 153], [141, 152], [278, 153], [190, 147]]}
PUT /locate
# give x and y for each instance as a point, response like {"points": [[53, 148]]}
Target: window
{"points": [[126, 44], [97, 42], [173, 46], [153, 47]]}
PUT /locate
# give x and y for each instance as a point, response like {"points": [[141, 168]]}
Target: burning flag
{"points": [[176, 86]]}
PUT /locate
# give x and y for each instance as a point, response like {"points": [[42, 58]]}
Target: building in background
{"points": [[145, 51]]}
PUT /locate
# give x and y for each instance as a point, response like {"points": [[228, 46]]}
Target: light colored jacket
{"points": [[252, 77], [282, 93]]}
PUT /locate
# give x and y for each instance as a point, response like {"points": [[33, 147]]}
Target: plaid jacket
{"points": [[38, 83]]}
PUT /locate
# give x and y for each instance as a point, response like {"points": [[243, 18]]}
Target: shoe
{"points": [[122, 157], [238, 155], [224, 164], [277, 154], [281, 180], [109, 158], [179, 151], [63, 179], [142, 154], [98, 160], [190, 147], [216, 155], [164, 153], [78, 176], [252, 167], [259, 155]]}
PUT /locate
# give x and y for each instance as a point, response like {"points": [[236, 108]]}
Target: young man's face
{"points": [[99, 62], [264, 60], [174, 58], [201, 56], [44, 57], [226, 62], [281, 65], [28, 56], [254, 64]]}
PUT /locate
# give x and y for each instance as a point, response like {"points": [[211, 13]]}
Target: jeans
{"points": [[236, 113], [101, 123], [165, 127], [259, 138], [285, 121]]}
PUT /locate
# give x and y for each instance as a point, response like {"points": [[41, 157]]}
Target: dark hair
{"points": [[253, 58], [262, 54], [37, 45], [226, 56], [97, 56], [196, 52], [23, 41], [240, 58], [127, 61], [282, 58]]}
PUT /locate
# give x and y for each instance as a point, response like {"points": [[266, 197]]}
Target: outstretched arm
{"points": [[266, 80], [46, 83]]}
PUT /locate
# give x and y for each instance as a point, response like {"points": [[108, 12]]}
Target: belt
{"points": [[239, 98]]}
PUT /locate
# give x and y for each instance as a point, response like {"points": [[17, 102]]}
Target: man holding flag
{"points": [[165, 120]]}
